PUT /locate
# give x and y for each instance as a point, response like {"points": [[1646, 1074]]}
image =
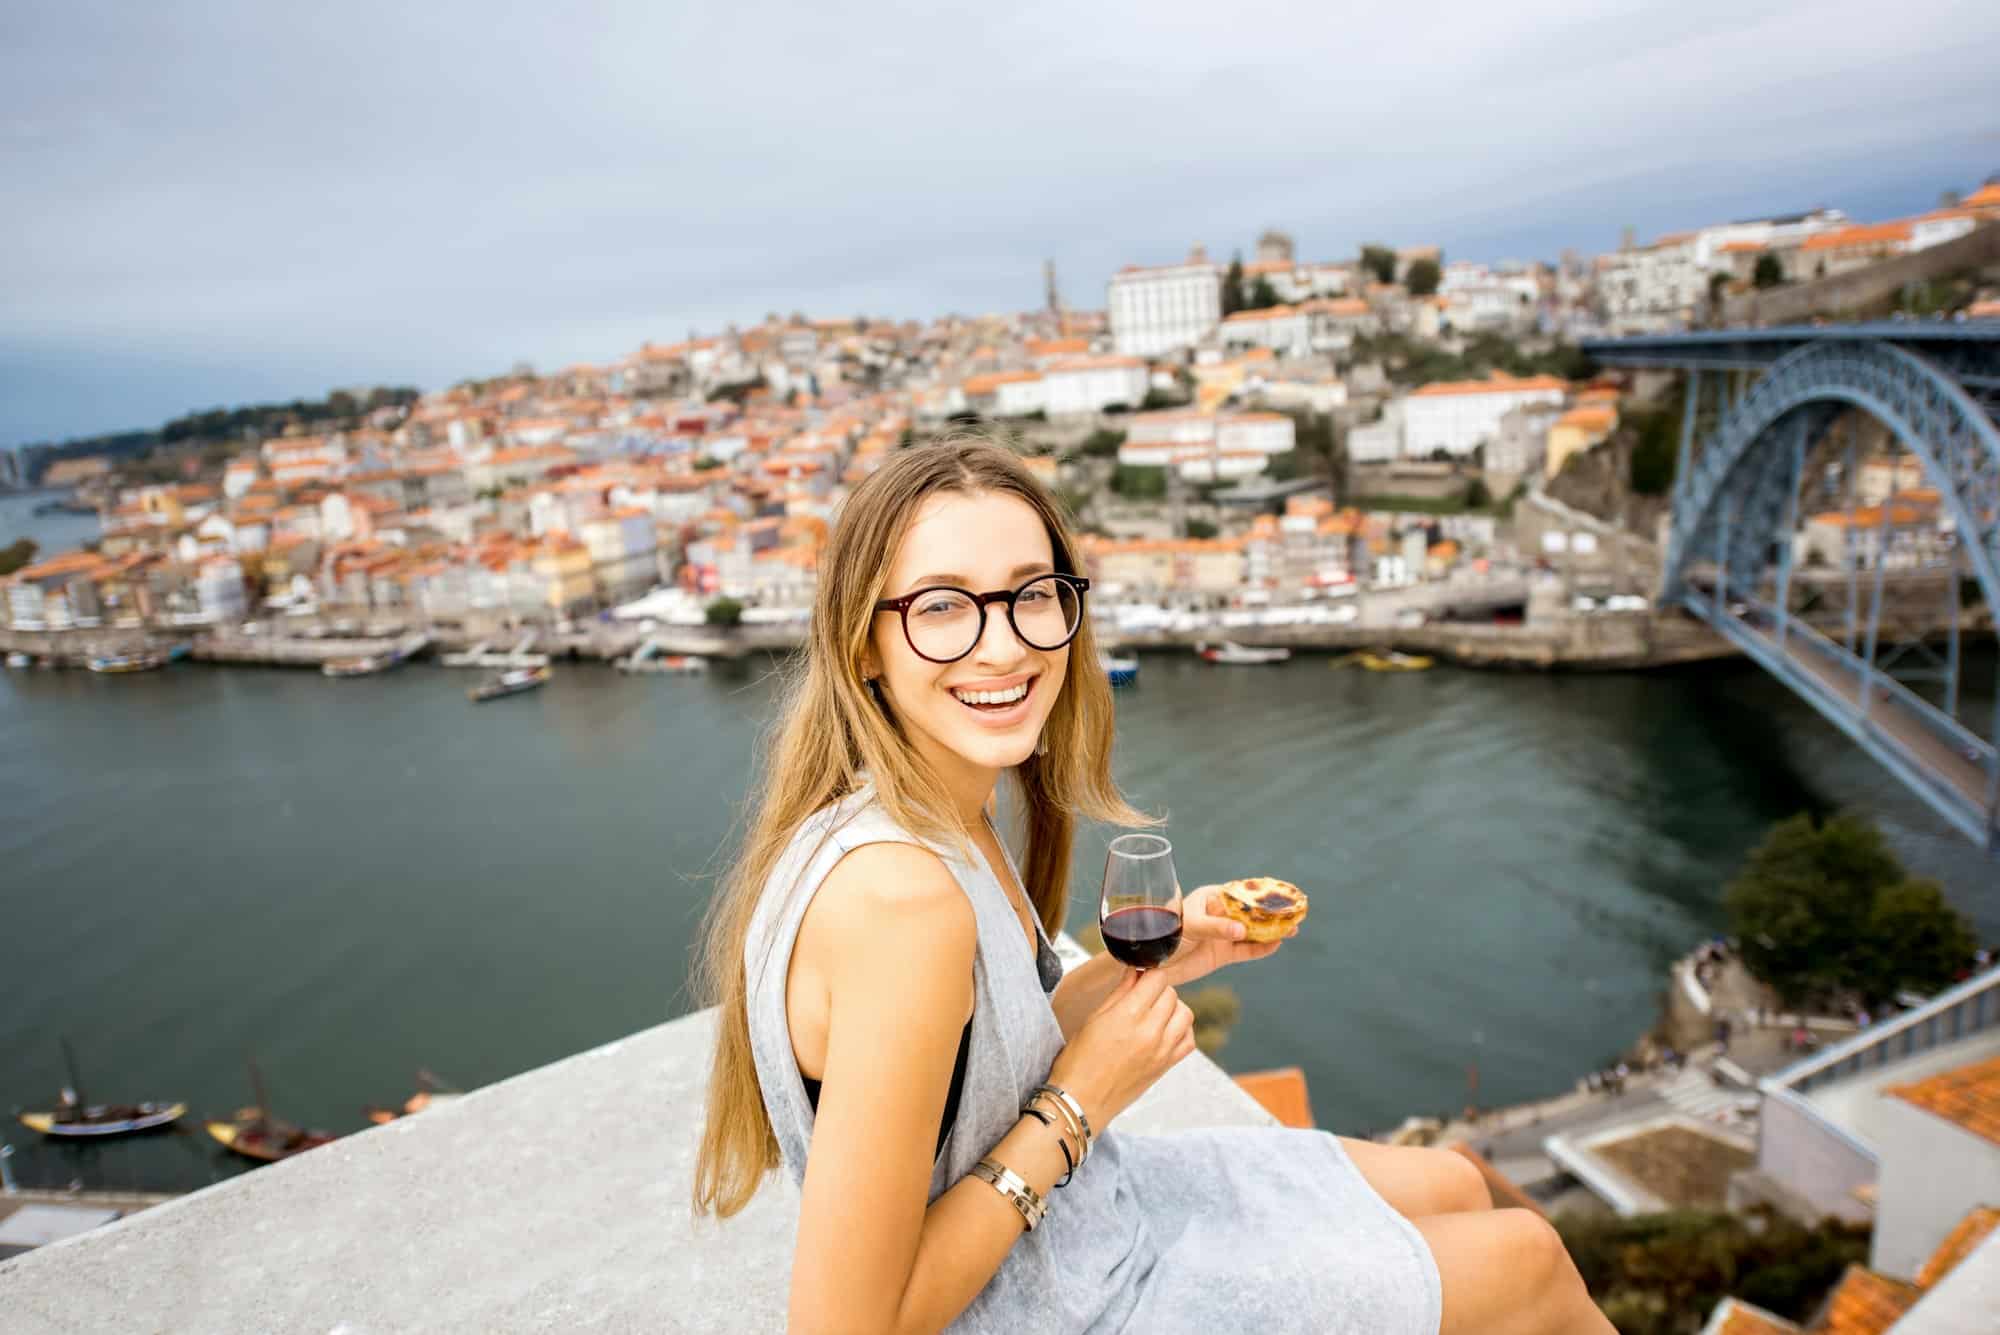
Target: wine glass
{"points": [[1140, 913]]}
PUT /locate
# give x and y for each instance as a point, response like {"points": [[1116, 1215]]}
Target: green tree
{"points": [[1201, 528], [1159, 398], [1828, 909], [907, 438], [724, 612], [1102, 443], [1262, 296], [1655, 452], [1477, 497], [17, 554], [1139, 482], [1232, 286], [1423, 277], [1379, 261], [1769, 272]]}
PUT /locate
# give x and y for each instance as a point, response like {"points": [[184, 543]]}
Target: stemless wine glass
{"points": [[1140, 913]]}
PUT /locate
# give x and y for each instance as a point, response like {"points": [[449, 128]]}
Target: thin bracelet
{"points": [[1068, 1101], [1010, 1184], [1070, 1130], [1069, 1161]]}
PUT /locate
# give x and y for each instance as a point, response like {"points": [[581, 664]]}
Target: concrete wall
{"points": [[1932, 1173], [1849, 293], [1811, 1160], [553, 1201]]}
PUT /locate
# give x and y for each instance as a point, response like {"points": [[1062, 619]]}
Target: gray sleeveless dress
{"points": [[1239, 1228]]}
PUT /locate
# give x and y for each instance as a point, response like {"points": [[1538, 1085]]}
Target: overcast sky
{"points": [[208, 202]]}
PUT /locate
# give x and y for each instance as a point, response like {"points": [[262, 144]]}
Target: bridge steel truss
{"points": [[1758, 406]]}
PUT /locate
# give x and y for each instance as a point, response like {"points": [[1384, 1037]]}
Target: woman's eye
{"points": [[1034, 596], [938, 605]]}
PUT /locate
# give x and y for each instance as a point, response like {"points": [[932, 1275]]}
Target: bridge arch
{"points": [[1741, 470]]}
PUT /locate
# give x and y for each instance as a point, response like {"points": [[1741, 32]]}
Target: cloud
{"points": [[272, 195]]}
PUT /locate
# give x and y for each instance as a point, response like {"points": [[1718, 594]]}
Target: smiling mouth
{"points": [[997, 702]]}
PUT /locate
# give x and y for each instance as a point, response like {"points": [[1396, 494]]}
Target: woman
{"points": [[896, 1031]]}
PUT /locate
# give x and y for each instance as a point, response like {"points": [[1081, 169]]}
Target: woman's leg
{"points": [[1505, 1272], [1419, 1182]]}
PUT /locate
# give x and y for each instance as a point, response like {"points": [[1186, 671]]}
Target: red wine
{"points": [[1142, 937]]}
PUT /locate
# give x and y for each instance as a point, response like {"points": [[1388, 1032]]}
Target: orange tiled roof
{"points": [[1744, 1319], [1267, 313], [1985, 197], [986, 384], [1500, 383], [1865, 1303], [1968, 1097], [1589, 419], [1283, 1094], [1865, 234], [1968, 1233]]}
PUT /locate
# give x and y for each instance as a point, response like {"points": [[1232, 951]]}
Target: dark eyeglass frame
{"points": [[980, 602]]}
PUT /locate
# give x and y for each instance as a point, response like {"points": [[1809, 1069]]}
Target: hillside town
{"points": [[1276, 429]]}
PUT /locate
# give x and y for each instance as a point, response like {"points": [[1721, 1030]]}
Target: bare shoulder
{"points": [[890, 897]]}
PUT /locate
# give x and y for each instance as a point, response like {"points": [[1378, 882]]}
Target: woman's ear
{"points": [[870, 669]]}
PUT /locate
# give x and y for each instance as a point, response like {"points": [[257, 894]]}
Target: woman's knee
{"points": [[1459, 1184], [1533, 1245]]}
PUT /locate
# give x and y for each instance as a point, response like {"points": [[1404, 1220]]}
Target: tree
{"points": [[1655, 454], [724, 612], [1102, 443], [17, 554], [1262, 296], [1139, 482], [1201, 528], [1380, 261], [1232, 286], [1769, 272], [1477, 497], [1828, 910], [1159, 398], [1423, 277]]}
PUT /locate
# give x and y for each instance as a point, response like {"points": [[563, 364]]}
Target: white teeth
{"points": [[1007, 697]]}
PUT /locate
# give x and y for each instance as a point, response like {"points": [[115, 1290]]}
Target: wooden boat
{"points": [[366, 665], [1122, 671], [255, 1134], [1230, 653], [75, 1117], [435, 1094], [144, 661], [1395, 662], [515, 682]]}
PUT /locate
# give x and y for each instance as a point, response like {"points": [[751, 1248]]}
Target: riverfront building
{"points": [[1164, 309]]}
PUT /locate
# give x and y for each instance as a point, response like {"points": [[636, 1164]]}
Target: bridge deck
{"points": [[1964, 775]]}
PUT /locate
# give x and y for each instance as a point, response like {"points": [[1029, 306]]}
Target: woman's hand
{"points": [[1210, 940], [1140, 1031]]}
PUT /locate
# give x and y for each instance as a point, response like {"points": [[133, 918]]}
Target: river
{"points": [[52, 533], [354, 879]]}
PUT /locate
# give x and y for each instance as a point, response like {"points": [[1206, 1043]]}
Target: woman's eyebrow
{"points": [[1018, 572]]}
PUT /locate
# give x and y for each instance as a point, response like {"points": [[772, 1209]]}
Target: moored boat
{"points": [[255, 1134], [143, 661], [1395, 662], [18, 659], [1121, 671], [73, 1117], [1230, 653], [516, 682]]}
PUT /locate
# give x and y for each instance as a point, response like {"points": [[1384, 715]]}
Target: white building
{"points": [[1091, 384], [219, 589], [1380, 441], [1207, 445], [1283, 329], [1457, 416], [1164, 309]]}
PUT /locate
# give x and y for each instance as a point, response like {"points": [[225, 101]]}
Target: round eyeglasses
{"points": [[943, 624]]}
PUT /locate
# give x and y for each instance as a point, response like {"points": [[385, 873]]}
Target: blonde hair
{"points": [[830, 729]]}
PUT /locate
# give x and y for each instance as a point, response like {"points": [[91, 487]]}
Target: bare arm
{"points": [[894, 937]]}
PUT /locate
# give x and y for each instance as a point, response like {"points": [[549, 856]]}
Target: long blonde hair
{"points": [[830, 729]]}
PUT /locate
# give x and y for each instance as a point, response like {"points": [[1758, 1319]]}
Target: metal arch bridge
{"points": [[1760, 403]]}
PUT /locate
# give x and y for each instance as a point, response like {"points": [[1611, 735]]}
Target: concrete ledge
{"points": [[553, 1201]]}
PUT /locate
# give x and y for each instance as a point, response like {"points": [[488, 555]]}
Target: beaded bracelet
{"points": [[1062, 1141], [1010, 1184]]}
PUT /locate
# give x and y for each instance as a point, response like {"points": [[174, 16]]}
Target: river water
{"points": [[354, 879], [52, 532]]}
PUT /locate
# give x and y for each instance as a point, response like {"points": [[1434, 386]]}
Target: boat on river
{"points": [[1122, 671], [517, 682], [433, 1093], [1229, 653], [1389, 662], [17, 659], [143, 661], [75, 1117], [255, 1134]]}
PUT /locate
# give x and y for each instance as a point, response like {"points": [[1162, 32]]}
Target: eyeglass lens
{"points": [[944, 624]]}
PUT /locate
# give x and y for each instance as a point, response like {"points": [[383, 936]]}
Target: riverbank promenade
{"points": [[553, 1201]]}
